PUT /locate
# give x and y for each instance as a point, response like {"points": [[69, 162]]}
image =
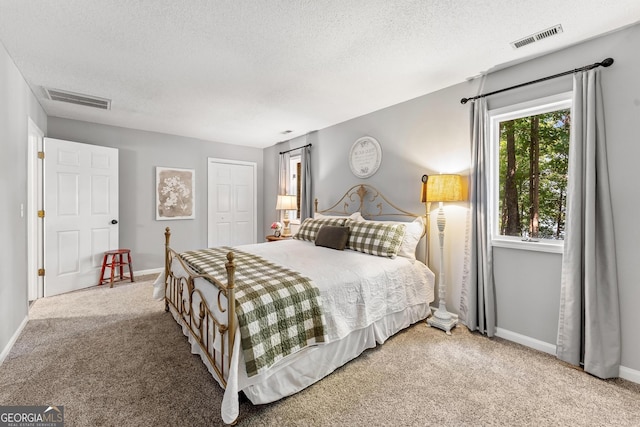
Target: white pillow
{"points": [[412, 236], [356, 216]]}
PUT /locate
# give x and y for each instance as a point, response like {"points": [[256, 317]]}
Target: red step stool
{"points": [[115, 260]]}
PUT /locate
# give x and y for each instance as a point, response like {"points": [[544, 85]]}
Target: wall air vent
{"points": [[537, 36], [77, 98]]}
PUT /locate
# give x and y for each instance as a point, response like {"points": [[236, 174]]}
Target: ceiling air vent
{"points": [[77, 98], [537, 36]]}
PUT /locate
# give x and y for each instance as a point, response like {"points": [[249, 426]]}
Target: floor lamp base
{"points": [[444, 324]]}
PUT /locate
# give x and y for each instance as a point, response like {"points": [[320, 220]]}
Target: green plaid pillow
{"points": [[310, 227], [375, 238]]}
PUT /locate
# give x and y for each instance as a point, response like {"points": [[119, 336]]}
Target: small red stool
{"points": [[115, 260]]}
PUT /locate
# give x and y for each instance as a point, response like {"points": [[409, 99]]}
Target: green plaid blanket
{"points": [[279, 310]]}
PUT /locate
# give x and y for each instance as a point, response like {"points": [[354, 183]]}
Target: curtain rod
{"points": [[605, 63], [294, 149]]}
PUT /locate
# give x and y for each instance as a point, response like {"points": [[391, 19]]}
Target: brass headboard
{"points": [[368, 201]]}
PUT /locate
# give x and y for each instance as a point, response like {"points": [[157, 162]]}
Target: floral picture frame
{"points": [[175, 193]]}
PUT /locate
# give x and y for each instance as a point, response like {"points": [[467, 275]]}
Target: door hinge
{"points": [[41, 214], [41, 155], [41, 272]]}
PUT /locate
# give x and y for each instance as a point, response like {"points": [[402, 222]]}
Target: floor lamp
{"points": [[443, 188], [286, 203], [427, 219]]}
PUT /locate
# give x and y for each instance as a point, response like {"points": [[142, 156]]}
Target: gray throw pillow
{"points": [[334, 237]]}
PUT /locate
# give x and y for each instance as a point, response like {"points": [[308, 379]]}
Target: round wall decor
{"points": [[365, 157]]}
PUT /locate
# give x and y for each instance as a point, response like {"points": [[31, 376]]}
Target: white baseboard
{"points": [[624, 373], [12, 341], [629, 374], [526, 341]]}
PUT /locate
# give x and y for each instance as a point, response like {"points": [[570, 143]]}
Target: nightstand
{"points": [[272, 238]]}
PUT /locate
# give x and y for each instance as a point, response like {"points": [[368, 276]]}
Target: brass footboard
{"points": [[194, 312]]}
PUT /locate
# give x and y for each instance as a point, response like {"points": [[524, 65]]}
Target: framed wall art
{"points": [[175, 193]]}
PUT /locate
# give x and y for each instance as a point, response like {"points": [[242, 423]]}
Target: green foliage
{"points": [[554, 159]]}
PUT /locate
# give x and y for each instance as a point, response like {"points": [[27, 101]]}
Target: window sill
{"points": [[541, 246]]}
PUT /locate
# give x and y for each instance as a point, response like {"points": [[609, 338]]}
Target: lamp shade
{"points": [[444, 188], [286, 202]]}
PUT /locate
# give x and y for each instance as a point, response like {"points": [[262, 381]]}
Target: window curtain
{"points": [[477, 303], [306, 189], [589, 322], [283, 179]]}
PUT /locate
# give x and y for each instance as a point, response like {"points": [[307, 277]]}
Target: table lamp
{"points": [[286, 203]]}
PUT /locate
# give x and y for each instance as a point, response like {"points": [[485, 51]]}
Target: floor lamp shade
{"points": [[443, 188], [286, 203]]}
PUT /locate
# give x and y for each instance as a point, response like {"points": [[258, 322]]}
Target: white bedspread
{"points": [[356, 289]]}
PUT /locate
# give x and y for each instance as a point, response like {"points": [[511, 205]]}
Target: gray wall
{"points": [[17, 104], [139, 153], [528, 292], [430, 134]]}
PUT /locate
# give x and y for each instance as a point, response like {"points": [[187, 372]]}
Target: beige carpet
{"points": [[113, 357]]}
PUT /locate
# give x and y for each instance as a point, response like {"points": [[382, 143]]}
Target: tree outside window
{"points": [[534, 156]]}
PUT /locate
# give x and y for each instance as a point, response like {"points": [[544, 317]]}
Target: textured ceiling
{"points": [[242, 72]]}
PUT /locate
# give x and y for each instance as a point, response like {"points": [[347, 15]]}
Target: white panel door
{"points": [[231, 203], [81, 213]]}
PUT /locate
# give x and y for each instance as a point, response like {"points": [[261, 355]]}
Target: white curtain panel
{"points": [[589, 322], [477, 303]]}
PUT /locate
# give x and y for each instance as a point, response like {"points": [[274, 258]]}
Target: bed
{"points": [[353, 299]]}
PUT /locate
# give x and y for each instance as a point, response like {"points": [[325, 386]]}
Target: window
{"points": [[294, 183], [529, 160]]}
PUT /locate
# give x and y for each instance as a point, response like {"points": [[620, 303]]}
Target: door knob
{"points": [[114, 221]]}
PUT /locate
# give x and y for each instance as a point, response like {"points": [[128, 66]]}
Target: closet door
{"points": [[232, 203]]}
